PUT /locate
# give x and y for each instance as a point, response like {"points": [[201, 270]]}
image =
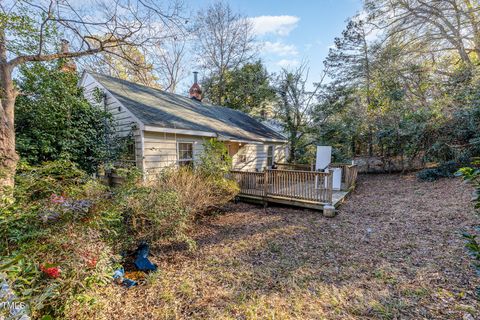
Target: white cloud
{"points": [[279, 25], [288, 63], [279, 48]]}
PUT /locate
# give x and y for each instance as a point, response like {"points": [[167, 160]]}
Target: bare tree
{"points": [[28, 32], [169, 61], [129, 63], [448, 25], [224, 40], [295, 105]]}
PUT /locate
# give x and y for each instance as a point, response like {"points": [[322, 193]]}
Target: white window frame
{"points": [[178, 152], [272, 156], [242, 158]]}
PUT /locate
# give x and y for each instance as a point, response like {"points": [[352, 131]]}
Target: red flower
{"points": [[92, 263], [52, 272]]}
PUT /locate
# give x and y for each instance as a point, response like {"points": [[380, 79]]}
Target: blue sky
{"points": [[294, 31]]}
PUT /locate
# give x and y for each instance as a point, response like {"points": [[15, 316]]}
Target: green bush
{"points": [[445, 170], [54, 121], [54, 177], [214, 160], [58, 235], [472, 174]]}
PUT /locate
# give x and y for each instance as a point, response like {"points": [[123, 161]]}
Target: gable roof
{"points": [[154, 107]]}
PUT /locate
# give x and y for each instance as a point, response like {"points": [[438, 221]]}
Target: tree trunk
{"points": [[353, 147], [292, 149], [8, 156], [8, 94]]}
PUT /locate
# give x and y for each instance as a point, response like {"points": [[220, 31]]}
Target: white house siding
{"points": [[255, 156], [125, 123], [161, 152], [161, 149], [281, 152]]}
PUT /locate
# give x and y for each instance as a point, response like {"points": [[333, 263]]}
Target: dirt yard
{"points": [[395, 251]]}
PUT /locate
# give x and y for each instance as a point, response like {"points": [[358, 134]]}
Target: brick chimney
{"points": [[68, 64], [195, 90]]}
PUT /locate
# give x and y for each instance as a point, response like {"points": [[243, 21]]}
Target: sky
{"points": [[294, 31]]}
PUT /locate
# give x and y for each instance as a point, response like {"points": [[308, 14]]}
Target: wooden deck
{"points": [[308, 189]]}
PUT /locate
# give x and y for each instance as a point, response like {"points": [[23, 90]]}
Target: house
{"points": [[169, 129]]}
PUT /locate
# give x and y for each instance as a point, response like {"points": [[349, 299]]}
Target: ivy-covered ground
{"points": [[395, 251]]}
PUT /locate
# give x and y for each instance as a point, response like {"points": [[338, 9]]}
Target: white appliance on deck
{"points": [[323, 160], [324, 157]]}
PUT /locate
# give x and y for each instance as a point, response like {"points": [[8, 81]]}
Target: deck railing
{"points": [[250, 183], [349, 174], [295, 166], [309, 186], [349, 171]]}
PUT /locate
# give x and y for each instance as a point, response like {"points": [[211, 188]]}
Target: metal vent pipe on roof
{"points": [[195, 77]]}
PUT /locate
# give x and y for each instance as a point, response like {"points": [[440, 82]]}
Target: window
{"points": [[270, 156], [130, 150], [127, 155], [185, 154], [242, 158]]}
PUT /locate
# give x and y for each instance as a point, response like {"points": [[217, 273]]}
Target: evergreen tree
{"points": [[247, 89], [55, 121]]}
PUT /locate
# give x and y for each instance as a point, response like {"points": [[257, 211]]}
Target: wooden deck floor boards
{"points": [[338, 197]]}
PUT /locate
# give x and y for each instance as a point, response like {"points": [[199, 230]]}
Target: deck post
{"points": [[329, 208], [265, 184], [348, 174], [265, 189], [329, 211], [330, 187]]}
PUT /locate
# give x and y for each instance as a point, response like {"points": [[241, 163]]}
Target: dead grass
{"points": [[394, 252]]}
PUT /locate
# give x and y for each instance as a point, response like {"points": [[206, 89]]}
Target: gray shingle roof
{"points": [[155, 107]]}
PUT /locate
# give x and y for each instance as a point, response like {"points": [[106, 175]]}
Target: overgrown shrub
{"points": [[196, 192], [56, 177], [57, 237], [165, 206], [444, 170], [214, 160], [54, 121], [61, 229], [472, 174], [154, 213]]}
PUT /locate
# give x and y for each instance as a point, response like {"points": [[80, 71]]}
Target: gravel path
{"points": [[395, 251]]}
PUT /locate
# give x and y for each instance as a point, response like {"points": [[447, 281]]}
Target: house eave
{"points": [[274, 140], [209, 134], [230, 139], [180, 131]]}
